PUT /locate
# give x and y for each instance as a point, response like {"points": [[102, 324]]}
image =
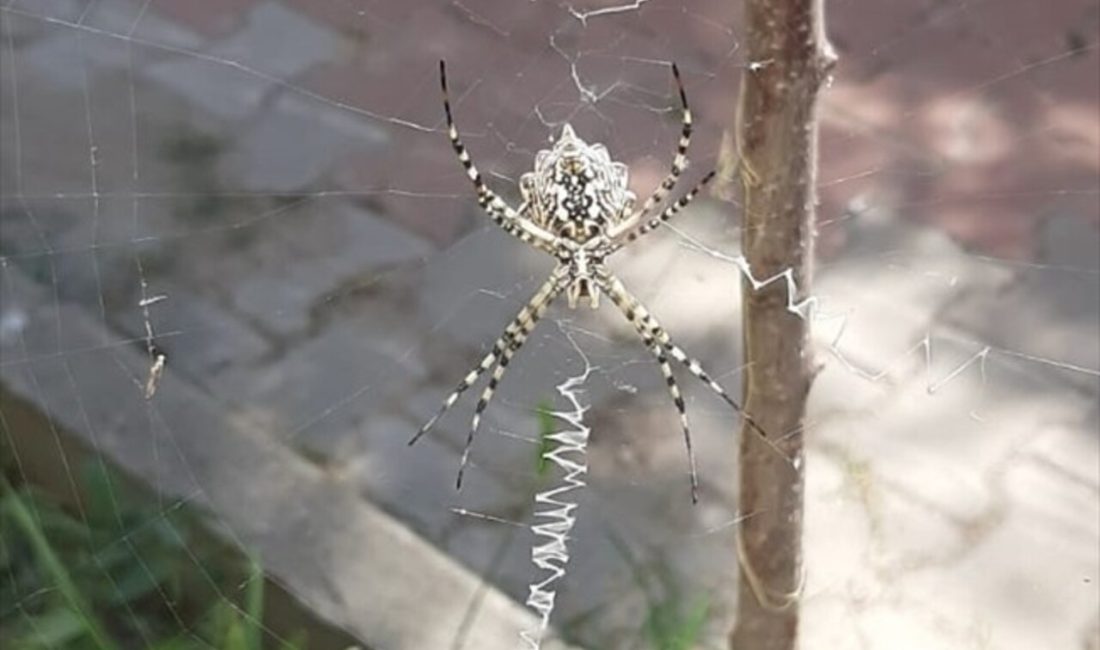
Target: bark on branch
{"points": [[789, 61]]}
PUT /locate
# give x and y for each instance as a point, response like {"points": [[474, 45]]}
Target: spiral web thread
{"points": [[552, 556]]}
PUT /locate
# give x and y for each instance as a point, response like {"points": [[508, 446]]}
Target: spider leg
{"points": [[668, 213], [499, 211], [678, 399], [696, 368], [662, 337], [679, 164], [637, 314], [505, 341], [520, 337]]}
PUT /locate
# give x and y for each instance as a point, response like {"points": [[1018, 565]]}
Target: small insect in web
{"points": [[577, 208]]}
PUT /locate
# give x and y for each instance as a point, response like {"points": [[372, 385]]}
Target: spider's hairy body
{"points": [[577, 207], [576, 191]]}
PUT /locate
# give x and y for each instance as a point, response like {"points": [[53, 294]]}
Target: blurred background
{"points": [[240, 266]]}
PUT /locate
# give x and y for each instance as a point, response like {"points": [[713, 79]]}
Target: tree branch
{"points": [[789, 61]]}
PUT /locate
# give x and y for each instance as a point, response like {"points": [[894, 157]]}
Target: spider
{"points": [[577, 208]]}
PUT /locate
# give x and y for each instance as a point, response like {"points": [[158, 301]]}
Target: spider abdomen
{"points": [[576, 191], [578, 213]]}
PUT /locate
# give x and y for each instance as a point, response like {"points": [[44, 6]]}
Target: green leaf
{"points": [[254, 605], [544, 415], [669, 628], [236, 637]]}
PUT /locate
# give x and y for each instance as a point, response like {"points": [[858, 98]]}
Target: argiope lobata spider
{"points": [[576, 207]]}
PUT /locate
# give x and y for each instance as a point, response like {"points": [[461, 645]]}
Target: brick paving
{"points": [[328, 278]]}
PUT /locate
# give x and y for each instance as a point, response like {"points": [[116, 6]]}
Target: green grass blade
{"points": [[53, 629], [53, 566], [254, 605]]}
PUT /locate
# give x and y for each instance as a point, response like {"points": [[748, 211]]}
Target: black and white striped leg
{"points": [[695, 368], [502, 344], [679, 162], [518, 340], [678, 399], [668, 213], [662, 337], [637, 315], [499, 211]]}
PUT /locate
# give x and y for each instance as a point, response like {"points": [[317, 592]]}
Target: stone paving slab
{"points": [[201, 337], [68, 10], [69, 59], [474, 276], [1051, 308], [133, 18], [221, 91], [316, 396], [365, 571], [260, 45], [299, 264], [937, 514], [292, 144], [96, 47], [889, 289]]}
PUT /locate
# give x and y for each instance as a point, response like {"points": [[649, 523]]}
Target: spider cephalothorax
{"points": [[583, 263], [576, 207]]}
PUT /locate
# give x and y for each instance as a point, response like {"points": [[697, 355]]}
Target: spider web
{"points": [[240, 265]]}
